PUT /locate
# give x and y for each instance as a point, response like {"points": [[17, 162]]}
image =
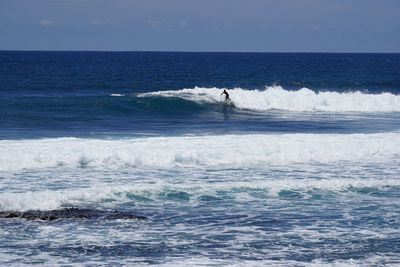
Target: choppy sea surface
{"points": [[303, 169]]}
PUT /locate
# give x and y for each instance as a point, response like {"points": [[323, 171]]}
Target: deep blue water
{"points": [[302, 169], [68, 93]]}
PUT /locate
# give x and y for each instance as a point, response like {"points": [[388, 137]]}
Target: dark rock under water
{"points": [[70, 213]]}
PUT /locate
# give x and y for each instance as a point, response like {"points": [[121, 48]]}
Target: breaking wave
{"points": [[214, 150], [276, 97], [102, 195]]}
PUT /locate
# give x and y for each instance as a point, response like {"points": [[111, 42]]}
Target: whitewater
{"points": [[304, 99], [171, 152]]}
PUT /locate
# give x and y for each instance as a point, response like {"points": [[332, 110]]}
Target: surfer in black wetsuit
{"points": [[226, 95]]}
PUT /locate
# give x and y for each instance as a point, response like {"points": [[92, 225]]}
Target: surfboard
{"points": [[229, 102], [226, 102]]}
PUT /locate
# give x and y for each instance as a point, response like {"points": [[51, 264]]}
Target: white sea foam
{"points": [[159, 190], [276, 97], [169, 152]]}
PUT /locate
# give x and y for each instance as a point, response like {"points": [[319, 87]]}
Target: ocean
{"points": [[134, 158]]}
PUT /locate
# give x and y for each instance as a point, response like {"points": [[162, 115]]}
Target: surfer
{"points": [[226, 95]]}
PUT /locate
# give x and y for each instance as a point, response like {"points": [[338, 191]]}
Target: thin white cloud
{"points": [[221, 26], [154, 23], [182, 24], [46, 23], [96, 22], [316, 28]]}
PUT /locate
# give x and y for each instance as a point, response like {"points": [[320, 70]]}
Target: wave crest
{"points": [[276, 97], [167, 152]]}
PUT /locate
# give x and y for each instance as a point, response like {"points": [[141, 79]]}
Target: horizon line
{"points": [[184, 51]]}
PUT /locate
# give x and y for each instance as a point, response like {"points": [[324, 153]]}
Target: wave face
{"points": [[190, 187], [198, 109], [276, 97], [167, 152]]}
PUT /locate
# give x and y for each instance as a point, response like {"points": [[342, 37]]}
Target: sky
{"points": [[201, 25]]}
